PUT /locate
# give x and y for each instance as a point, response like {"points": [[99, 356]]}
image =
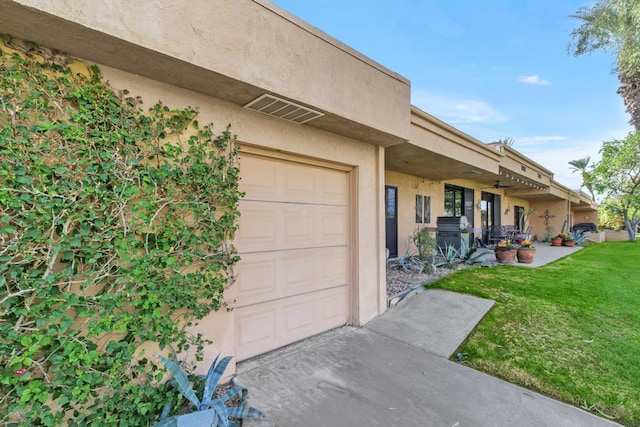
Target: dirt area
{"points": [[399, 280]]}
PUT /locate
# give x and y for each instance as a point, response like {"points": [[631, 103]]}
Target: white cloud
{"points": [[533, 80], [539, 139], [455, 110], [558, 157]]}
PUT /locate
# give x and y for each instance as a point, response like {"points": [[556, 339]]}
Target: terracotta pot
{"points": [[556, 241], [569, 243], [526, 255], [506, 255]]}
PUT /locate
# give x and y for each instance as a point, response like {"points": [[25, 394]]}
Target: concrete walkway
{"points": [[395, 372]]}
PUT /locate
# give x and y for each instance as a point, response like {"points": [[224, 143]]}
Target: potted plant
{"points": [[556, 240], [548, 233], [560, 239], [568, 240], [523, 220], [506, 251], [526, 252]]}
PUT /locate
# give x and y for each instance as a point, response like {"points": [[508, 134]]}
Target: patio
{"points": [[545, 253]]}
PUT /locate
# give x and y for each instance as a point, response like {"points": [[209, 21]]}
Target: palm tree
{"points": [[508, 141], [614, 25], [580, 165]]}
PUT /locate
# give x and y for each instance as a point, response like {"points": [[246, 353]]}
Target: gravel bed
{"points": [[400, 281]]}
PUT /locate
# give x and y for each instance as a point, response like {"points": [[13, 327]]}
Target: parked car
{"points": [[585, 227]]}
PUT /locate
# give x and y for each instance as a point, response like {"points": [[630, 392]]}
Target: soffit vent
{"points": [[277, 107]]}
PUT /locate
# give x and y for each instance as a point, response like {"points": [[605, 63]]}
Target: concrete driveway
{"points": [[395, 372]]}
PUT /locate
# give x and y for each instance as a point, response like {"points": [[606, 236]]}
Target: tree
{"points": [[614, 25], [610, 217], [580, 165], [617, 176]]}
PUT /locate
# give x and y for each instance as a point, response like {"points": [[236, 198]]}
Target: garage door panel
{"points": [[256, 327], [266, 226], [257, 227], [334, 308], [298, 226], [267, 326], [256, 277], [279, 180], [274, 275], [259, 177], [333, 227], [335, 189], [299, 319], [298, 183]]}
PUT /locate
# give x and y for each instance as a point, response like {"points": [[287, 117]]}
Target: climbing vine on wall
{"points": [[114, 230]]}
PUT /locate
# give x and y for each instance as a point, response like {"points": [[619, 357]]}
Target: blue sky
{"points": [[491, 68]]}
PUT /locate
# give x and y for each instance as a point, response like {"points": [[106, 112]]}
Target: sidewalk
{"points": [[394, 372]]}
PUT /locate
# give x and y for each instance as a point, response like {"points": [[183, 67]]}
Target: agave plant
{"points": [[578, 235], [450, 255], [208, 411]]}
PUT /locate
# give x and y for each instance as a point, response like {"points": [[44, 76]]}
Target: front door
{"points": [[489, 213], [391, 219]]}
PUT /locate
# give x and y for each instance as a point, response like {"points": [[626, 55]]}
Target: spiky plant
{"points": [[213, 412]]}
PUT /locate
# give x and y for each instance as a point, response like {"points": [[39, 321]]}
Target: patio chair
{"points": [[526, 235], [496, 233]]}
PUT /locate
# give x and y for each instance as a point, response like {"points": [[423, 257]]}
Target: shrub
{"points": [[425, 242], [114, 225]]}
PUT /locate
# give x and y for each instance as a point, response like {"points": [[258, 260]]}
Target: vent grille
{"points": [[287, 110]]}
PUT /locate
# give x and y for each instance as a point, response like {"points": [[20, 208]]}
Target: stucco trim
{"points": [[521, 158]]}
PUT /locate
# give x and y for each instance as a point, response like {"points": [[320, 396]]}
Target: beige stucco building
{"points": [[450, 173], [335, 135]]}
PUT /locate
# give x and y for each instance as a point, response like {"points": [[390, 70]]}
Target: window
{"points": [[390, 201], [423, 209], [427, 209], [453, 200]]}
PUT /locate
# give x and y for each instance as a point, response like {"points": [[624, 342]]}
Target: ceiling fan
{"points": [[498, 185]]}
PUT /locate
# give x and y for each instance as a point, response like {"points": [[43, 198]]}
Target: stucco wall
{"points": [[585, 216], [557, 210], [256, 129], [615, 236], [408, 187]]}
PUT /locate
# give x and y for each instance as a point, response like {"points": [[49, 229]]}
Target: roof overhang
{"points": [[438, 151], [180, 53]]}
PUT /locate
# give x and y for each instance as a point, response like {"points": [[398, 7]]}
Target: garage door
{"points": [[293, 240]]}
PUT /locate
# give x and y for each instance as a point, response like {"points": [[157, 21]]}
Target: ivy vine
{"points": [[114, 231]]}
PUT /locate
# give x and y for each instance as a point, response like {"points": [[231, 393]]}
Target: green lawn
{"points": [[570, 330]]}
